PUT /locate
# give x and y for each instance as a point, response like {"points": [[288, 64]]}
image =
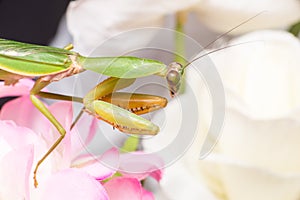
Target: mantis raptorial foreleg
{"points": [[96, 103]]}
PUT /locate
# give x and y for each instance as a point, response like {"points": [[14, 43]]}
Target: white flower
{"points": [[91, 22], [222, 15], [258, 154]]}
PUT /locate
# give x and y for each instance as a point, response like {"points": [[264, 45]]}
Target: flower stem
{"points": [[181, 18]]}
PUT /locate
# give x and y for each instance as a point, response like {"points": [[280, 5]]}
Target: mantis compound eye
{"points": [[174, 74]]}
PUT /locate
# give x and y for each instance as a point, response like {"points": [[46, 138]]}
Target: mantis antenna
{"points": [[232, 29], [221, 36], [216, 50]]}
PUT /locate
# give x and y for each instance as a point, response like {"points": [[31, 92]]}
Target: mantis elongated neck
{"points": [[123, 67]]}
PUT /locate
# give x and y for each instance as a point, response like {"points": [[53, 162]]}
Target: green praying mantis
{"points": [[21, 60]]}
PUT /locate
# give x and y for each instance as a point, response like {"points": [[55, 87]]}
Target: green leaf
{"points": [[295, 29]]}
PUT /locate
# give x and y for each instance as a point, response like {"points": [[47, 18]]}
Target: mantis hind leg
{"points": [[44, 110]]}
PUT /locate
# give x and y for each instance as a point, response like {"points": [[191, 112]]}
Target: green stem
{"points": [[131, 144], [179, 37]]}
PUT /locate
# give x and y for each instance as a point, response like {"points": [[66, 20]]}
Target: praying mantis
{"points": [[48, 64]]}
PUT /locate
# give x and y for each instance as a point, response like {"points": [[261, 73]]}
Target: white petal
{"points": [[91, 22], [261, 80], [222, 15], [241, 181], [263, 73], [179, 183], [262, 126], [272, 144]]}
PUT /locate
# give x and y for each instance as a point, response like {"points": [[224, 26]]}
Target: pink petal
{"points": [[98, 171], [124, 189], [157, 174], [15, 169], [108, 158], [16, 136], [24, 113], [146, 195], [111, 158], [23, 87], [72, 184], [140, 165], [82, 133], [92, 132], [63, 113], [101, 168]]}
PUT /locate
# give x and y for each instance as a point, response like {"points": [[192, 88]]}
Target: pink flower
{"points": [[127, 188], [67, 173]]}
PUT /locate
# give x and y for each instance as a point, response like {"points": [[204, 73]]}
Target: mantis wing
{"points": [[32, 60]]}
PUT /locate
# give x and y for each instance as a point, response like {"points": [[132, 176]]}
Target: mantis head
{"points": [[173, 76]]}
